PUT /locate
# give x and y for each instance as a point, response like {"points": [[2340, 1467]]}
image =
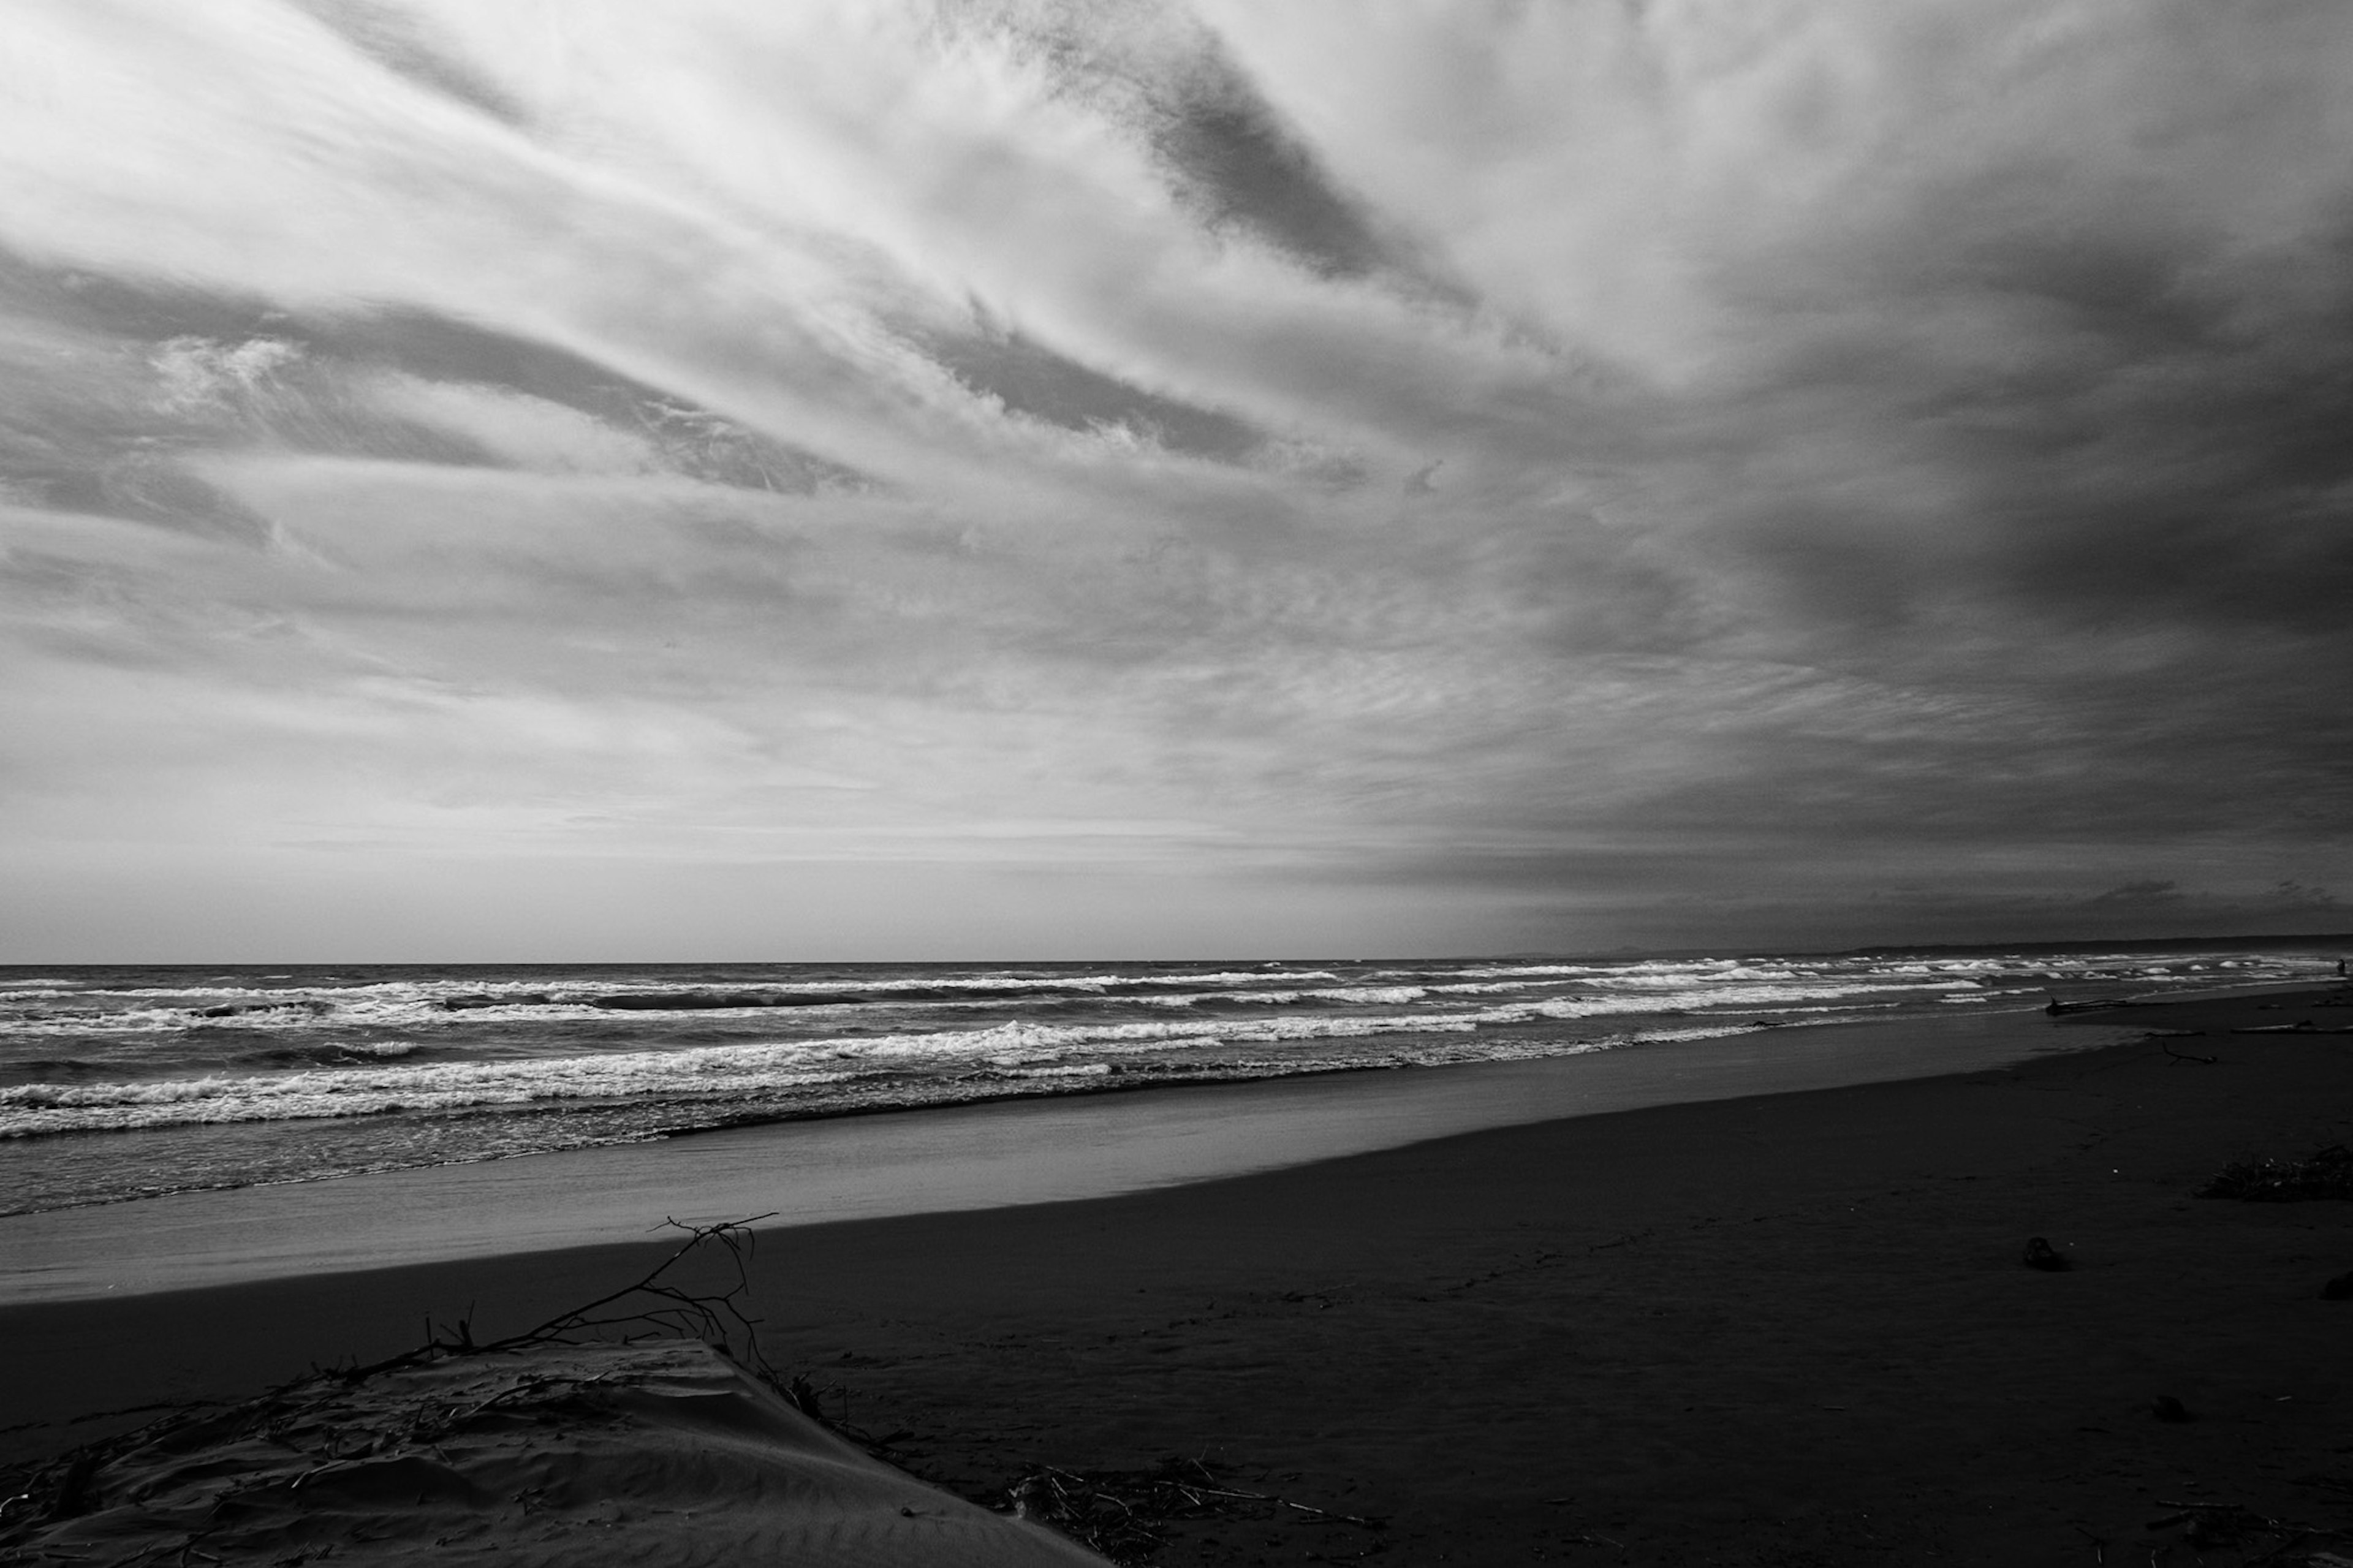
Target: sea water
{"points": [[121, 1083]]}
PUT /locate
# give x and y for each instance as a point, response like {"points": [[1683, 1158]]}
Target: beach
{"points": [[884, 784], [1773, 1328]]}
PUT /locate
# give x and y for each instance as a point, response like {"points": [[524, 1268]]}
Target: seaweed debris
{"points": [[2328, 1173], [1124, 1514]]}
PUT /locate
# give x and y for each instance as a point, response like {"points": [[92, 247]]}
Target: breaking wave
{"points": [[229, 1076]]}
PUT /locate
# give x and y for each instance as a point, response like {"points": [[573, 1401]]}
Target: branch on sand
{"points": [[652, 1306], [2163, 1041], [716, 1317]]}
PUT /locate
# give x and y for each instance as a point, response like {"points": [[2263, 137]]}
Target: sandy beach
{"points": [[1783, 1328]]}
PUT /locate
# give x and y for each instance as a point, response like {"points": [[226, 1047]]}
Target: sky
{"points": [[579, 480]]}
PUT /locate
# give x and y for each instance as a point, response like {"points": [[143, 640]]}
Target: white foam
{"points": [[46, 1108], [372, 1076], [422, 1004], [698, 1071]]}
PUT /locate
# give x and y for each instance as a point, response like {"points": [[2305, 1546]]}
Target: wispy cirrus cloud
{"points": [[1202, 475]]}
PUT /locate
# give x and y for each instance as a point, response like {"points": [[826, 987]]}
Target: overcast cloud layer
{"points": [[1059, 478]]}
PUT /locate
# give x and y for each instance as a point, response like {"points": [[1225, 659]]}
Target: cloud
{"points": [[410, 46], [520, 431], [1540, 473]]}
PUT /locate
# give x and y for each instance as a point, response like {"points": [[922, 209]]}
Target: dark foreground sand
{"points": [[565, 1455], [1791, 1330]]}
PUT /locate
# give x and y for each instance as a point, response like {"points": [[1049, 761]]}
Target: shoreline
{"points": [[988, 1154], [1110, 1084], [1787, 1327], [346, 1080]]}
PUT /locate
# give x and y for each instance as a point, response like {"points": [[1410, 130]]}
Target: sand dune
{"points": [[565, 1454]]}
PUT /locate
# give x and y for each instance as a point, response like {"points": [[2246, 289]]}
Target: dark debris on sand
{"points": [[2328, 1173], [1125, 1514]]}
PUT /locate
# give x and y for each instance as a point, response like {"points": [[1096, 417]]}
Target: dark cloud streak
{"points": [[1031, 379], [112, 441], [1241, 167], [404, 44]]}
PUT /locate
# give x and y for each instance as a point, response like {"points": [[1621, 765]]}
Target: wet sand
{"points": [[984, 1156], [1786, 1329]]}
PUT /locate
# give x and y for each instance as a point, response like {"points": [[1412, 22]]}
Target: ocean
{"points": [[124, 1083]]}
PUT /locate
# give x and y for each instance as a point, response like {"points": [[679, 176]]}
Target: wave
{"points": [[30, 1110], [344, 1147], [314, 1074], [411, 1008], [36, 1068], [328, 1053], [1003, 983], [435, 1043]]}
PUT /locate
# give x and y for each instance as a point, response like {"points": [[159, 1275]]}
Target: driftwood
{"points": [[718, 1318], [2164, 1042]]}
